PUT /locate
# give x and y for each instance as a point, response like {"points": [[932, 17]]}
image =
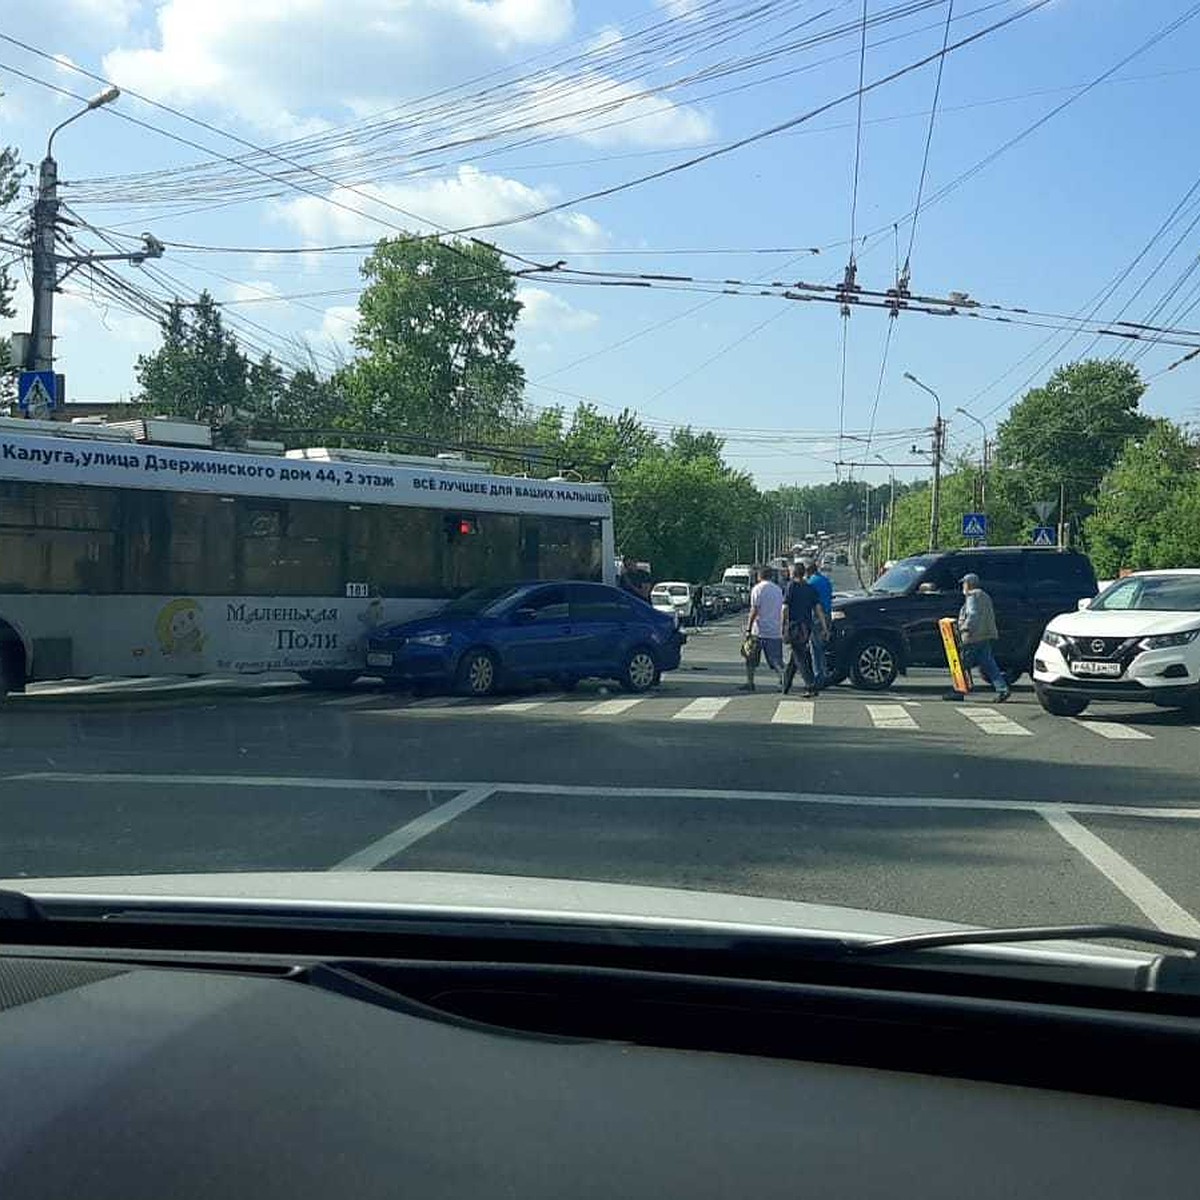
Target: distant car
{"points": [[1138, 640], [563, 632], [679, 595], [716, 603]]}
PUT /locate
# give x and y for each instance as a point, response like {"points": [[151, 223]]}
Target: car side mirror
{"points": [[524, 616], [928, 589], [1083, 602]]}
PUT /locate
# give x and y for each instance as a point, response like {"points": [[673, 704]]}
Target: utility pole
{"points": [[46, 260], [891, 534], [1062, 514], [983, 458], [939, 438]]}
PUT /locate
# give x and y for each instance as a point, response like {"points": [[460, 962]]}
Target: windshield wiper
{"points": [[1027, 933]]}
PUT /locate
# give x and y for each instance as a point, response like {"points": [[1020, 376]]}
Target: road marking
{"points": [[890, 716], [703, 709], [298, 782], [793, 712], [515, 706], [1122, 874], [1114, 730], [440, 702], [991, 721], [391, 844], [351, 701], [610, 708]]}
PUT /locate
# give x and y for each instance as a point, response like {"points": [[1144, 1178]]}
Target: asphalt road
{"points": [[898, 801]]}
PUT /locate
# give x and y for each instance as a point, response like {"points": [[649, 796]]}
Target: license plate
{"points": [[1095, 668], [379, 659]]}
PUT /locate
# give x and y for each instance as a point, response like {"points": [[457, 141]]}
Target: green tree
{"points": [[10, 182], [1146, 513], [435, 342], [1070, 431], [199, 372]]}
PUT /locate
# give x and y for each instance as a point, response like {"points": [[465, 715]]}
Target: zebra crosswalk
{"points": [[841, 708]]}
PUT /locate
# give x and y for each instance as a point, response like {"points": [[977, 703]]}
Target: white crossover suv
{"points": [[1139, 639]]}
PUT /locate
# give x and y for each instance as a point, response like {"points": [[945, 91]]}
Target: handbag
{"points": [[751, 649]]}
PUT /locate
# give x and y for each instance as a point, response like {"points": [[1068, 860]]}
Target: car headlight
{"points": [[1053, 639], [430, 639], [1163, 641]]}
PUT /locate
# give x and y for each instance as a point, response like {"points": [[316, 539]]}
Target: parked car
{"points": [[563, 632], [879, 634], [1138, 640], [679, 595]]}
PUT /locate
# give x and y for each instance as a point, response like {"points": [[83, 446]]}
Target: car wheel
{"points": [[330, 681], [637, 675], [478, 673], [1061, 706], [873, 664]]}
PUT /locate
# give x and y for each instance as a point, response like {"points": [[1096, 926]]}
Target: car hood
{"points": [[857, 603], [461, 896], [433, 623], [1122, 624]]}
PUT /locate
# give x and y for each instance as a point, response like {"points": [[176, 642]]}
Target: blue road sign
{"points": [[1044, 535], [37, 393], [974, 525]]}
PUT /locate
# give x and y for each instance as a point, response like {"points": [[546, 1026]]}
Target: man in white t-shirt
{"points": [[766, 624]]}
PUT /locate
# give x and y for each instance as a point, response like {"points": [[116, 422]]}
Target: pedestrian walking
{"points": [[978, 633], [824, 589], [698, 606], [804, 622], [764, 628]]}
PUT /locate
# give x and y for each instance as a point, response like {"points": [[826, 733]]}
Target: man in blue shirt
{"points": [[824, 590]]}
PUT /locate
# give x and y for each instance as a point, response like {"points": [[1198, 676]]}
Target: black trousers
{"points": [[799, 658]]}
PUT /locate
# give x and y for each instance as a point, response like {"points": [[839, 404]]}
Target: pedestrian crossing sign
{"points": [[1043, 535], [974, 526], [37, 393]]}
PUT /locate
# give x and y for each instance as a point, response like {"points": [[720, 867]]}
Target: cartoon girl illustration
{"points": [[178, 628]]}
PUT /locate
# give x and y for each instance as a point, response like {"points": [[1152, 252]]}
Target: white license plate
{"points": [[379, 659], [1095, 668]]}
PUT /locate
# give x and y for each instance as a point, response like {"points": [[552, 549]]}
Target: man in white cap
{"points": [[977, 631]]}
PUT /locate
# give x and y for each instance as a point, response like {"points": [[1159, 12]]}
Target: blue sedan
{"points": [[563, 632]]}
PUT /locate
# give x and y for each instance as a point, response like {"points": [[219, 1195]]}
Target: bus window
{"points": [[290, 547], [397, 551], [57, 538], [178, 543]]}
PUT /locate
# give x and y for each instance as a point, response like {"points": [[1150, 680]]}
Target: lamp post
{"points": [[935, 499]]}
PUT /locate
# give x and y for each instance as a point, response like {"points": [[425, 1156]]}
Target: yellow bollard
{"points": [[961, 679]]}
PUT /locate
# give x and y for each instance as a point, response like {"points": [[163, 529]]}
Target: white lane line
{"points": [[169, 782], [610, 708], [1114, 730], [991, 721], [352, 701], [890, 716], [440, 702], [1157, 906], [793, 712], [391, 844], [515, 706], [703, 709]]}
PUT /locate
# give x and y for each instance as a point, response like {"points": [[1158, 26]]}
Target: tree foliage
{"points": [[10, 182], [435, 342], [1148, 512]]}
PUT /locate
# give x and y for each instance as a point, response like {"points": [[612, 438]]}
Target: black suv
{"points": [[893, 625]]}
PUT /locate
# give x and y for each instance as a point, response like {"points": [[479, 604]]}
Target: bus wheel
{"points": [[477, 673], [330, 681]]}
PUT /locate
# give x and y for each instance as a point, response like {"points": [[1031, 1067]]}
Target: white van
{"points": [[740, 575], [674, 597]]}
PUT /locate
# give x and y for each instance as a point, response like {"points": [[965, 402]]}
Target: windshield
{"points": [[902, 577], [371, 372], [1152, 593]]}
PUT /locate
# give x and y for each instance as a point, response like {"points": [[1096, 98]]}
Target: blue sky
{"points": [[1045, 226]]}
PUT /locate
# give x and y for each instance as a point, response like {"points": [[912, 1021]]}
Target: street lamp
{"points": [[935, 499], [45, 261], [983, 457]]}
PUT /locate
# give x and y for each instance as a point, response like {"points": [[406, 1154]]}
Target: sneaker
{"points": [[746, 687], [1002, 696], [809, 693]]}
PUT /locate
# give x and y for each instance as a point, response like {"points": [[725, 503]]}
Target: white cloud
{"points": [[277, 62], [543, 313], [255, 293], [469, 197], [333, 336], [681, 8]]}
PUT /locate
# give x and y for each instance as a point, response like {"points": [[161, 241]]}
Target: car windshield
{"points": [[371, 372], [902, 577], [1152, 593]]}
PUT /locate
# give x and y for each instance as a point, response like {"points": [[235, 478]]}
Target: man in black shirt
{"points": [[802, 612]]}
